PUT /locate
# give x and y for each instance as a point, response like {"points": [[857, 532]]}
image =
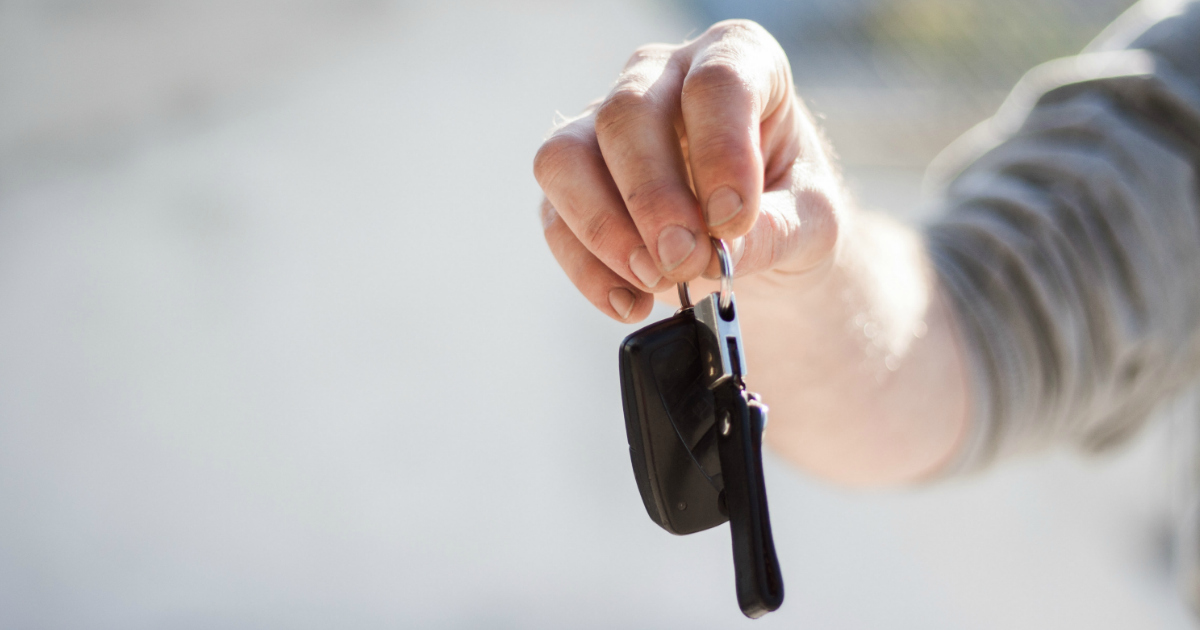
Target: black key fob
{"points": [[695, 434], [670, 423]]}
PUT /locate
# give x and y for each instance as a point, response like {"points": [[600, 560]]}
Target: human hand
{"points": [[701, 138], [842, 318]]}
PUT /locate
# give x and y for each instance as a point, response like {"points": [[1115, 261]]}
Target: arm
{"points": [[1071, 250], [1057, 301]]}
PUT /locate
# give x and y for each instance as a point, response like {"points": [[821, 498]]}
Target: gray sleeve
{"points": [[1070, 246]]}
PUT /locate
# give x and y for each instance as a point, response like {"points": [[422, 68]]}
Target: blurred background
{"points": [[281, 345]]}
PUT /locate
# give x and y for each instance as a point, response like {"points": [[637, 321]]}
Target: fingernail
{"points": [[723, 205], [675, 243], [643, 267], [621, 301]]}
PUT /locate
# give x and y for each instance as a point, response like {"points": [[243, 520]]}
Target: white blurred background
{"points": [[281, 345]]}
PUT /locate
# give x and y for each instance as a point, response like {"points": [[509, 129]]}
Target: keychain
{"points": [[695, 434]]}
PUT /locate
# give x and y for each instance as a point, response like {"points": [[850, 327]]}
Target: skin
{"points": [[848, 334]]}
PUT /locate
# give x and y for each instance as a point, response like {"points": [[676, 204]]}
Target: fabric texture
{"points": [[1070, 242]]}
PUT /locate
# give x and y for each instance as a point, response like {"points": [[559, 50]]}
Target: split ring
{"points": [[726, 262]]}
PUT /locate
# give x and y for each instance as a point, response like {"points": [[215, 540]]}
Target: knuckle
{"points": [[627, 102], [723, 156], [598, 231], [719, 73], [739, 28], [649, 52], [652, 197], [722, 147], [745, 44], [555, 153]]}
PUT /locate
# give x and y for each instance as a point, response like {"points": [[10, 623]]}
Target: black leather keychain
{"points": [[695, 434]]}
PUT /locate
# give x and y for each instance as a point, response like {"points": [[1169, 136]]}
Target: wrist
{"points": [[858, 358]]}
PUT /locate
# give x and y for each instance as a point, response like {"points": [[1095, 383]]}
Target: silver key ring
{"points": [[685, 299], [726, 272]]}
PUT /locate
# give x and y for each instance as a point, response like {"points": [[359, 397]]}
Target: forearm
{"points": [[1063, 292], [859, 359], [1064, 288]]}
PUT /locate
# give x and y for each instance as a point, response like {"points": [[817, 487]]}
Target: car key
{"points": [[695, 434], [670, 424]]}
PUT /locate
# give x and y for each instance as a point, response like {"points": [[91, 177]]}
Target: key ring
{"points": [[685, 299], [726, 262], [726, 272]]}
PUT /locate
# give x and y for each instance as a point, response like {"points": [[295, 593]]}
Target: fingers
{"points": [[636, 133], [602, 287], [699, 139], [737, 84], [796, 230], [723, 96], [576, 181]]}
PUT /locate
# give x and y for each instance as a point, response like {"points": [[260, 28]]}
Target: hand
{"points": [[844, 326], [701, 138]]}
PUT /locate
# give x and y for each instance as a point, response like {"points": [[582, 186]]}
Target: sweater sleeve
{"points": [[1070, 242]]}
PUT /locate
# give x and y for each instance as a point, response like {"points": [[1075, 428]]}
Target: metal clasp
{"points": [[719, 331]]}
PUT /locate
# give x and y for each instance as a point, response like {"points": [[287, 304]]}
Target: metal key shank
{"points": [[720, 340]]}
